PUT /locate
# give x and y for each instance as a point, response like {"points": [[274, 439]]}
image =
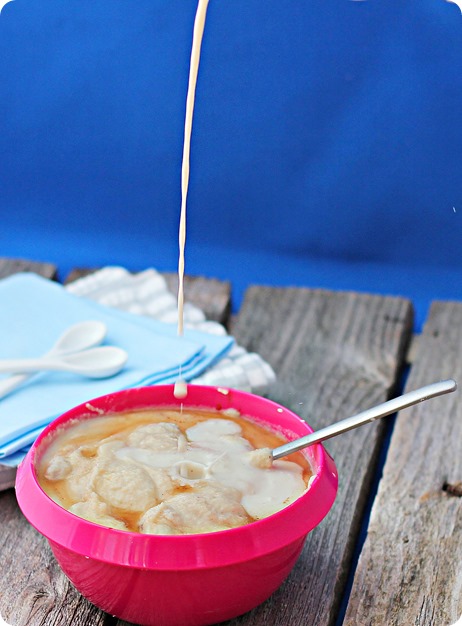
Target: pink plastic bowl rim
{"points": [[179, 551]]}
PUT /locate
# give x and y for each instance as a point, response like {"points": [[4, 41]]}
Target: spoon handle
{"points": [[76, 338], [12, 382], [381, 410], [13, 366]]}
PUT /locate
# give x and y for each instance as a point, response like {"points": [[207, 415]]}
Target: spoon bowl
{"points": [[80, 336]]}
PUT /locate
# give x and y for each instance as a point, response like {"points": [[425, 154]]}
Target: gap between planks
{"points": [[410, 569]]}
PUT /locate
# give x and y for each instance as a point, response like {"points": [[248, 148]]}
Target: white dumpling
{"points": [[125, 486]]}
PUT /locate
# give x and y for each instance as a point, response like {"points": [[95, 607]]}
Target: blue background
{"points": [[326, 148]]}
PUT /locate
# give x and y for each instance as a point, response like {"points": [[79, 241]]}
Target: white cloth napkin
{"points": [[147, 294], [141, 316]]}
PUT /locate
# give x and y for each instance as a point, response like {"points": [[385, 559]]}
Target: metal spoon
{"points": [[94, 363], [80, 336], [381, 410]]}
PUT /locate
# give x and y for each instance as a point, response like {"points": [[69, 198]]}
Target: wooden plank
{"points": [[7, 477], [209, 294], [212, 296], [13, 266], [33, 590], [410, 568], [9, 267], [335, 354]]}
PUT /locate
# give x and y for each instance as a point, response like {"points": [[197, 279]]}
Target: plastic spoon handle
{"points": [[381, 410], [78, 337], [94, 363]]}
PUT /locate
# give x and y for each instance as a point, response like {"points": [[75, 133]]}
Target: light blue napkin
{"points": [[34, 312]]}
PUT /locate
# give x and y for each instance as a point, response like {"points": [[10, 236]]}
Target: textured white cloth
{"points": [[146, 293]]}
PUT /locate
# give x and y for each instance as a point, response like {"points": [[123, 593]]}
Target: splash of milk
{"points": [[180, 390]]}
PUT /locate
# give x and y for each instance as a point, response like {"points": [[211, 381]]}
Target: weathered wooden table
{"points": [[390, 551]]}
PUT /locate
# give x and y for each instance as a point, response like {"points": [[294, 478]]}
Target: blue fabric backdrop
{"points": [[326, 144]]}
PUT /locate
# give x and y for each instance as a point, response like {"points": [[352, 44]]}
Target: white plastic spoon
{"points": [[381, 410], [94, 363], [80, 336]]}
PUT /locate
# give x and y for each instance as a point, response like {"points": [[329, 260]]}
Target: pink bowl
{"points": [[187, 580]]}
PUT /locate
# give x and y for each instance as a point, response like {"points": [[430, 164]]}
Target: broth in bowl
{"points": [[170, 471]]}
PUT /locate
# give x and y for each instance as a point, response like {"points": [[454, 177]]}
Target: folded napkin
{"points": [[35, 311], [140, 314]]}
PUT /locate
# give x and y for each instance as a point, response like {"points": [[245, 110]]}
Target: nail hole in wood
{"points": [[453, 489], [394, 319]]}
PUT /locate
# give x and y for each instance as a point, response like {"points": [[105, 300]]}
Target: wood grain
{"points": [[209, 294], [33, 590], [334, 354], [410, 568], [7, 477], [13, 266]]}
